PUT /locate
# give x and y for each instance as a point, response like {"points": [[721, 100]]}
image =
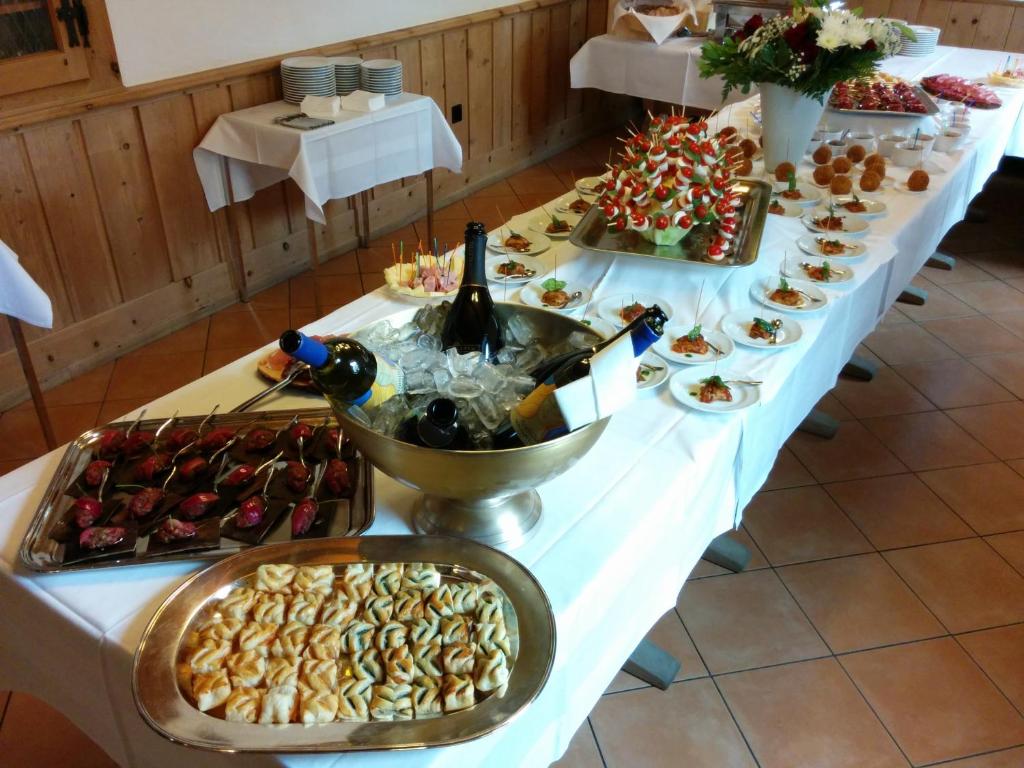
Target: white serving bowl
{"points": [[888, 143], [866, 140], [906, 157], [948, 141]]}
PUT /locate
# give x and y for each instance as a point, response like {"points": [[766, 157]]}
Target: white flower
{"points": [[832, 33], [857, 32]]}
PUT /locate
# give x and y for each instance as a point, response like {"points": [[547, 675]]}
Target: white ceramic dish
{"points": [[655, 372], [736, 325], [715, 338], [600, 326], [531, 294], [609, 307], [810, 194], [539, 224], [792, 210], [588, 186], [685, 386], [852, 224], [538, 242], [562, 204], [854, 249], [533, 264], [872, 208], [812, 297], [840, 273]]}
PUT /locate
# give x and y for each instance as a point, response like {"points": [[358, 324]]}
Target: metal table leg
{"points": [[652, 665], [33, 383], [913, 295], [429, 176], [235, 240], [364, 235], [860, 368], [727, 553], [941, 260], [314, 263], [820, 423]]}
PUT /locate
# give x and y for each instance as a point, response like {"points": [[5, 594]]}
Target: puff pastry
{"points": [[183, 673], [454, 630], [318, 707], [246, 669], [398, 665], [387, 582], [489, 637], [270, 608], [427, 658], [426, 699], [290, 640], [490, 672], [354, 699], [279, 704], [357, 636], [357, 580], [409, 605], [378, 609], [243, 705], [490, 611], [314, 578], [425, 631], [238, 602], [464, 596], [391, 702], [438, 603], [226, 628], [421, 576], [275, 578], [339, 609], [457, 692], [305, 607], [391, 635], [319, 675], [457, 658], [211, 690], [257, 637], [282, 671], [209, 657], [366, 665], [324, 642]]}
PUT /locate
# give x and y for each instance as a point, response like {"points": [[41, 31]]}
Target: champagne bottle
{"points": [[437, 427], [471, 325], [346, 371]]}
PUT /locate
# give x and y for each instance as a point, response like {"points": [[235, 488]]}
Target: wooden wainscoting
{"points": [[996, 25], [100, 198]]}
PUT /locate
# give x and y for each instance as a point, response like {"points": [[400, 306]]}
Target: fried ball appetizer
{"points": [[872, 159], [918, 181], [782, 171], [822, 155], [823, 175], [749, 147], [871, 180], [856, 153], [841, 185], [727, 134], [745, 168], [842, 165]]}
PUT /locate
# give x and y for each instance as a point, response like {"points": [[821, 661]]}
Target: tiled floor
{"points": [[881, 619]]}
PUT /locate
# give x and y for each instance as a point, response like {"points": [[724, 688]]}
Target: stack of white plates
{"points": [[303, 76], [346, 73], [382, 76], [927, 39]]}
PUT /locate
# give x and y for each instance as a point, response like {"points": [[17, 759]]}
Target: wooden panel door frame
{"points": [[46, 68]]}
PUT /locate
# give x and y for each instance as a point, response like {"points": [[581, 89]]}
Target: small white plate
{"points": [[852, 223], [902, 187], [792, 210], [663, 346], [656, 370], [588, 186], [532, 263], [809, 193], [872, 208], [762, 289], [736, 325], [539, 225], [538, 242], [600, 326], [562, 204], [840, 273], [686, 384], [854, 249], [610, 307], [531, 293]]}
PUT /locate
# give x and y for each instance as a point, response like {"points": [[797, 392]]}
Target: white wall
{"points": [[157, 39]]}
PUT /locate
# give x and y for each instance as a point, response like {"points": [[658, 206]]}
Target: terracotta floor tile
{"points": [[953, 383], [568, 158], [1016, 282], [934, 700], [885, 395], [251, 328], [704, 568], [371, 281], [35, 734], [1000, 652], [963, 272], [582, 751], [787, 472], [375, 259], [906, 343], [114, 410], [218, 358], [336, 291], [536, 182], [898, 511], [70, 421], [497, 189], [997, 426], [989, 295], [191, 338], [830, 405], [964, 583], [940, 304], [894, 317], [342, 264], [406, 234], [862, 351], [1011, 547], [1011, 321], [989, 497], [154, 375], [973, 336], [799, 524], [300, 290], [853, 453], [453, 212], [302, 316], [89, 387], [21, 436], [10, 465], [652, 728], [1002, 264], [1008, 370], [1009, 758], [531, 200], [494, 211], [447, 231], [746, 620], [275, 297], [807, 714], [859, 602], [669, 635], [927, 440]]}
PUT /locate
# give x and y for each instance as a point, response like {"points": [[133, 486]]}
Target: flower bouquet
{"points": [[795, 59]]}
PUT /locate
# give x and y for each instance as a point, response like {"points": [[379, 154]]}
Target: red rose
{"points": [[753, 24], [794, 36], [870, 45]]}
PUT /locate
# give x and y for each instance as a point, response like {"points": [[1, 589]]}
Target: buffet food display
{"points": [[953, 88], [881, 93]]}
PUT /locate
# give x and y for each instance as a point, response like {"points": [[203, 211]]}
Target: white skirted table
{"points": [[246, 151], [619, 532]]}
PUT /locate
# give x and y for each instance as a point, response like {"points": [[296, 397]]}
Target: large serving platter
{"points": [[930, 108], [528, 618], [592, 233], [41, 553]]}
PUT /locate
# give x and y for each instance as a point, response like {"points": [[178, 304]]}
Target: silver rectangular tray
{"points": [[41, 553], [592, 234], [528, 617], [930, 108]]}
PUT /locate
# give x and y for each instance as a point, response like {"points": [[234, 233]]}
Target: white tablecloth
{"points": [[20, 295], [360, 151], [619, 532]]}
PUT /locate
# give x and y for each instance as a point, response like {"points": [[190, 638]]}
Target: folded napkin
{"points": [[20, 296], [626, 21], [610, 386], [324, 107], [363, 101]]}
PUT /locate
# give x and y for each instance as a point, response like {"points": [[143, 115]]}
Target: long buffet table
{"points": [[619, 534]]}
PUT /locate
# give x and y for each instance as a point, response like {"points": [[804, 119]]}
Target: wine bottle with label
{"points": [[347, 372], [471, 325], [437, 427]]}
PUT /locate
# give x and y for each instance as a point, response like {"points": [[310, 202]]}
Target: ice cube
{"points": [[406, 332], [428, 341], [430, 319], [522, 385], [488, 377], [441, 378], [487, 410], [390, 414], [507, 354], [529, 358], [465, 387], [523, 329], [415, 360], [461, 365], [419, 382]]}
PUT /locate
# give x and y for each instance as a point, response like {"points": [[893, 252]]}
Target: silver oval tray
{"points": [[528, 614]]}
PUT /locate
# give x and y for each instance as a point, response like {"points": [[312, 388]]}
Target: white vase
{"points": [[788, 120]]}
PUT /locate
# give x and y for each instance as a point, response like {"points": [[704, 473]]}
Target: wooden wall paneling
{"points": [[994, 23], [577, 36], [24, 228], [456, 85], [904, 9], [1015, 37], [433, 85], [540, 42], [72, 211], [522, 50], [408, 52], [169, 127], [558, 63], [872, 8], [501, 81], [481, 89], [933, 13], [959, 30], [597, 24], [128, 204]]}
